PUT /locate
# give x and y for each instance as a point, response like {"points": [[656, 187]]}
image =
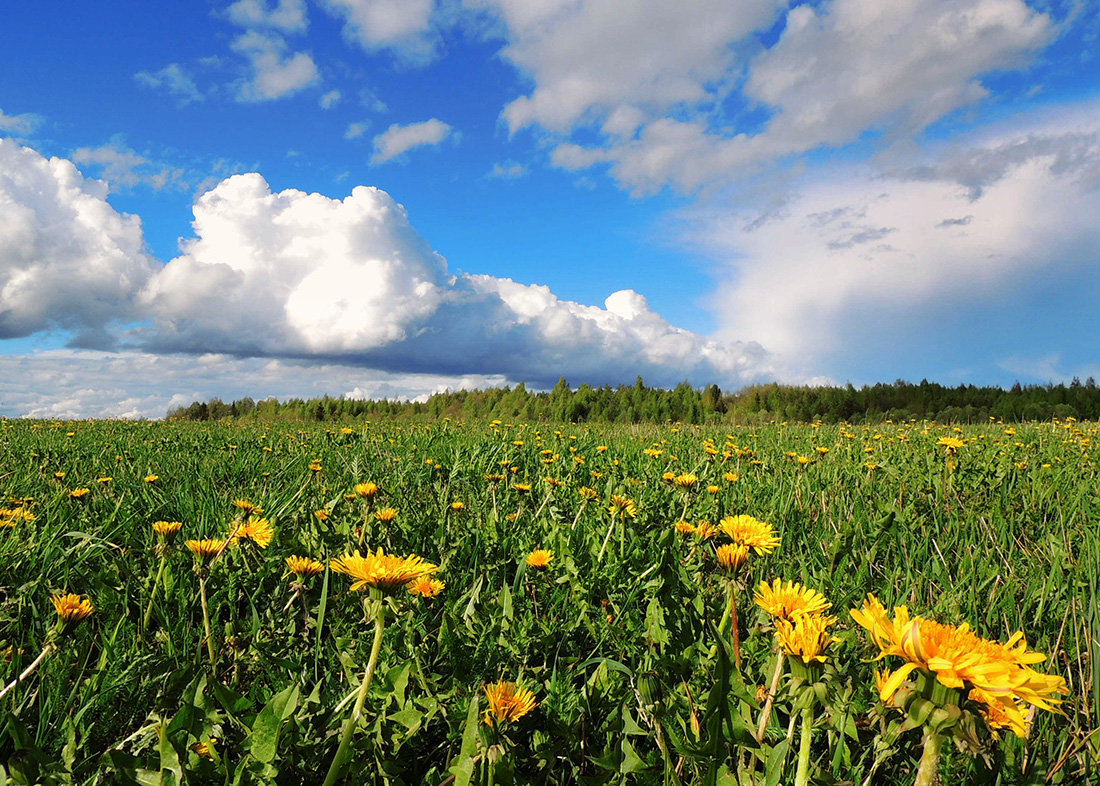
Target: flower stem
{"points": [[152, 596], [606, 538], [206, 624], [930, 759], [49, 648], [357, 710], [802, 776], [766, 713]]}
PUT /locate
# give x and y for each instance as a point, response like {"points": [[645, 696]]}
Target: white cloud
{"points": [[18, 124], [300, 275], [403, 26], [67, 383], [657, 79], [964, 228], [398, 139], [173, 78], [329, 99], [274, 72], [355, 130], [67, 258], [122, 167], [509, 170], [288, 16]]}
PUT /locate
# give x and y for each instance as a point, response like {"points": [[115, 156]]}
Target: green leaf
{"points": [[264, 739], [463, 767]]}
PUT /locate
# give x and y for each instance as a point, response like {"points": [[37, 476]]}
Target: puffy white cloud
{"points": [[173, 78], [274, 73], [67, 258], [67, 383], [329, 99], [291, 274], [122, 167], [981, 220], [398, 139], [289, 16], [657, 80], [18, 124], [355, 130], [403, 26]]}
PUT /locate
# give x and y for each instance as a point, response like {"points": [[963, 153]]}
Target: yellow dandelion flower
{"points": [[750, 532], [315, 465], [588, 494], [386, 515], [366, 490], [304, 567], [321, 514], [508, 702], [59, 475], [704, 530], [553, 482], [951, 443], [79, 494], [167, 530], [540, 558], [246, 507], [995, 674], [684, 527], [522, 487], [104, 480], [685, 480], [623, 507], [713, 489], [206, 548], [494, 477], [152, 478], [205, 749], [386, 572], [806, 637], [72, 609], [731, 556], [259, 531], [731, 477], [458, 505], [788, 600], [425, 587]]}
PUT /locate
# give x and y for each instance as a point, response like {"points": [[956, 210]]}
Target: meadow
{"points": [[594, 617]]}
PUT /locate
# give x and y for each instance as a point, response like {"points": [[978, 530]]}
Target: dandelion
{"points": [[750, 532], [805, 637], [79, 494], [508, 702], [166, 531], [684, 527], [71, 611], [205, 749], [259, 531], [790, 600], [304, 567], [951, 444], [713, 489], [152, 478], [385, 572], [731, 556], [458, 505], [386, 515], [205, 549], [623, 507], [704, 530], [523, 488], [588, 494], [59, 475], [322, 514], [247, 508], [425, 587], [366, 490], [685, 480], [315, 466], [104, 480], [540, 559]]}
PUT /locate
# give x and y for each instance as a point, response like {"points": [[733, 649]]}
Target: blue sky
{"points": [[719, 191]]}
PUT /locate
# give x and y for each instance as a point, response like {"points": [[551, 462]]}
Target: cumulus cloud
{"points": [[67, 383], [122, 167], [402, 26], [329, 99], [655, 82], [978, 221], [18, 124], [398, 139], [67, 259], [288, 16], [292, 274], [173, 78], [274, 72], [355, 130]]}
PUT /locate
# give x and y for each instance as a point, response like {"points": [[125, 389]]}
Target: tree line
{"points": [[639, 403]]}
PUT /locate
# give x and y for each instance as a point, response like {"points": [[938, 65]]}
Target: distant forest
{"points": [[638, 403]]}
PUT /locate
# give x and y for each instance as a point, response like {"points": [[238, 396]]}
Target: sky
{"points": [[389, 198]]}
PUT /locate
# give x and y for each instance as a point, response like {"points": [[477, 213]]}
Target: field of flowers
{"points": [[536, 604]]}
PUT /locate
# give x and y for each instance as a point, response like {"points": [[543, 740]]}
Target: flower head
{"points": [[507, 702], [79, 494], [748, 531], [386, 572], [72, 609], [386, 515], [247, 507], [623, 507], [425, 587], [205, 549], [152, 478], [732, 556], [685, 480], [540, 558], [806, 637], [259, 531], [790, 600], [684, 527], [994, 674], [167, 530], [366, 490], [951, 444], [304, 567]]}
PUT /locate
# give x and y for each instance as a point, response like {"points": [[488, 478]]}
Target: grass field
{"points": [[624, 638]]}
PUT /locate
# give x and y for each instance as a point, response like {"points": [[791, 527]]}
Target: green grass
{"points": [[633, 680]]}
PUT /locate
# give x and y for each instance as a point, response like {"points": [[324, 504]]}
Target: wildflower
{"points": [[822, 449], [206, 548], [704, 530], [951, 443], [684, 527], [732, 556], [685, 480], [750, 532], [386, 515], [623, 507], [304, 567], [713, 489], [994, 674], [522, 487], [553, 482], [425, 587], [386, 572], [493, 477], [322, 514], [71, 609], [104, 480], [167, 530], [806, 637], [588, 494], [458, 505], [730, 477], [315, 465], [59, 475], [246, 507], [205, 749], [803, 461], [152, 478], [367, 490], [345, 431], [508, 702], [653, 452], [79, 494], [790, 600], [259, 531], [540, 558]]}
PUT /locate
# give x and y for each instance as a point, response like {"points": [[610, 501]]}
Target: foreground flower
{"points": [[72, 609], [79, 494], [247, 507], [386, 572], [806, 638], [790, 600], [996, 675], [951, 443], [540, 558], [366, 490], [731, 556], [508, 702], [685, 480], [167, 530], [386, 515], [751, 532], [205, 549], [304, 567], [623, 507], [259, 531], [425, 587]]}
